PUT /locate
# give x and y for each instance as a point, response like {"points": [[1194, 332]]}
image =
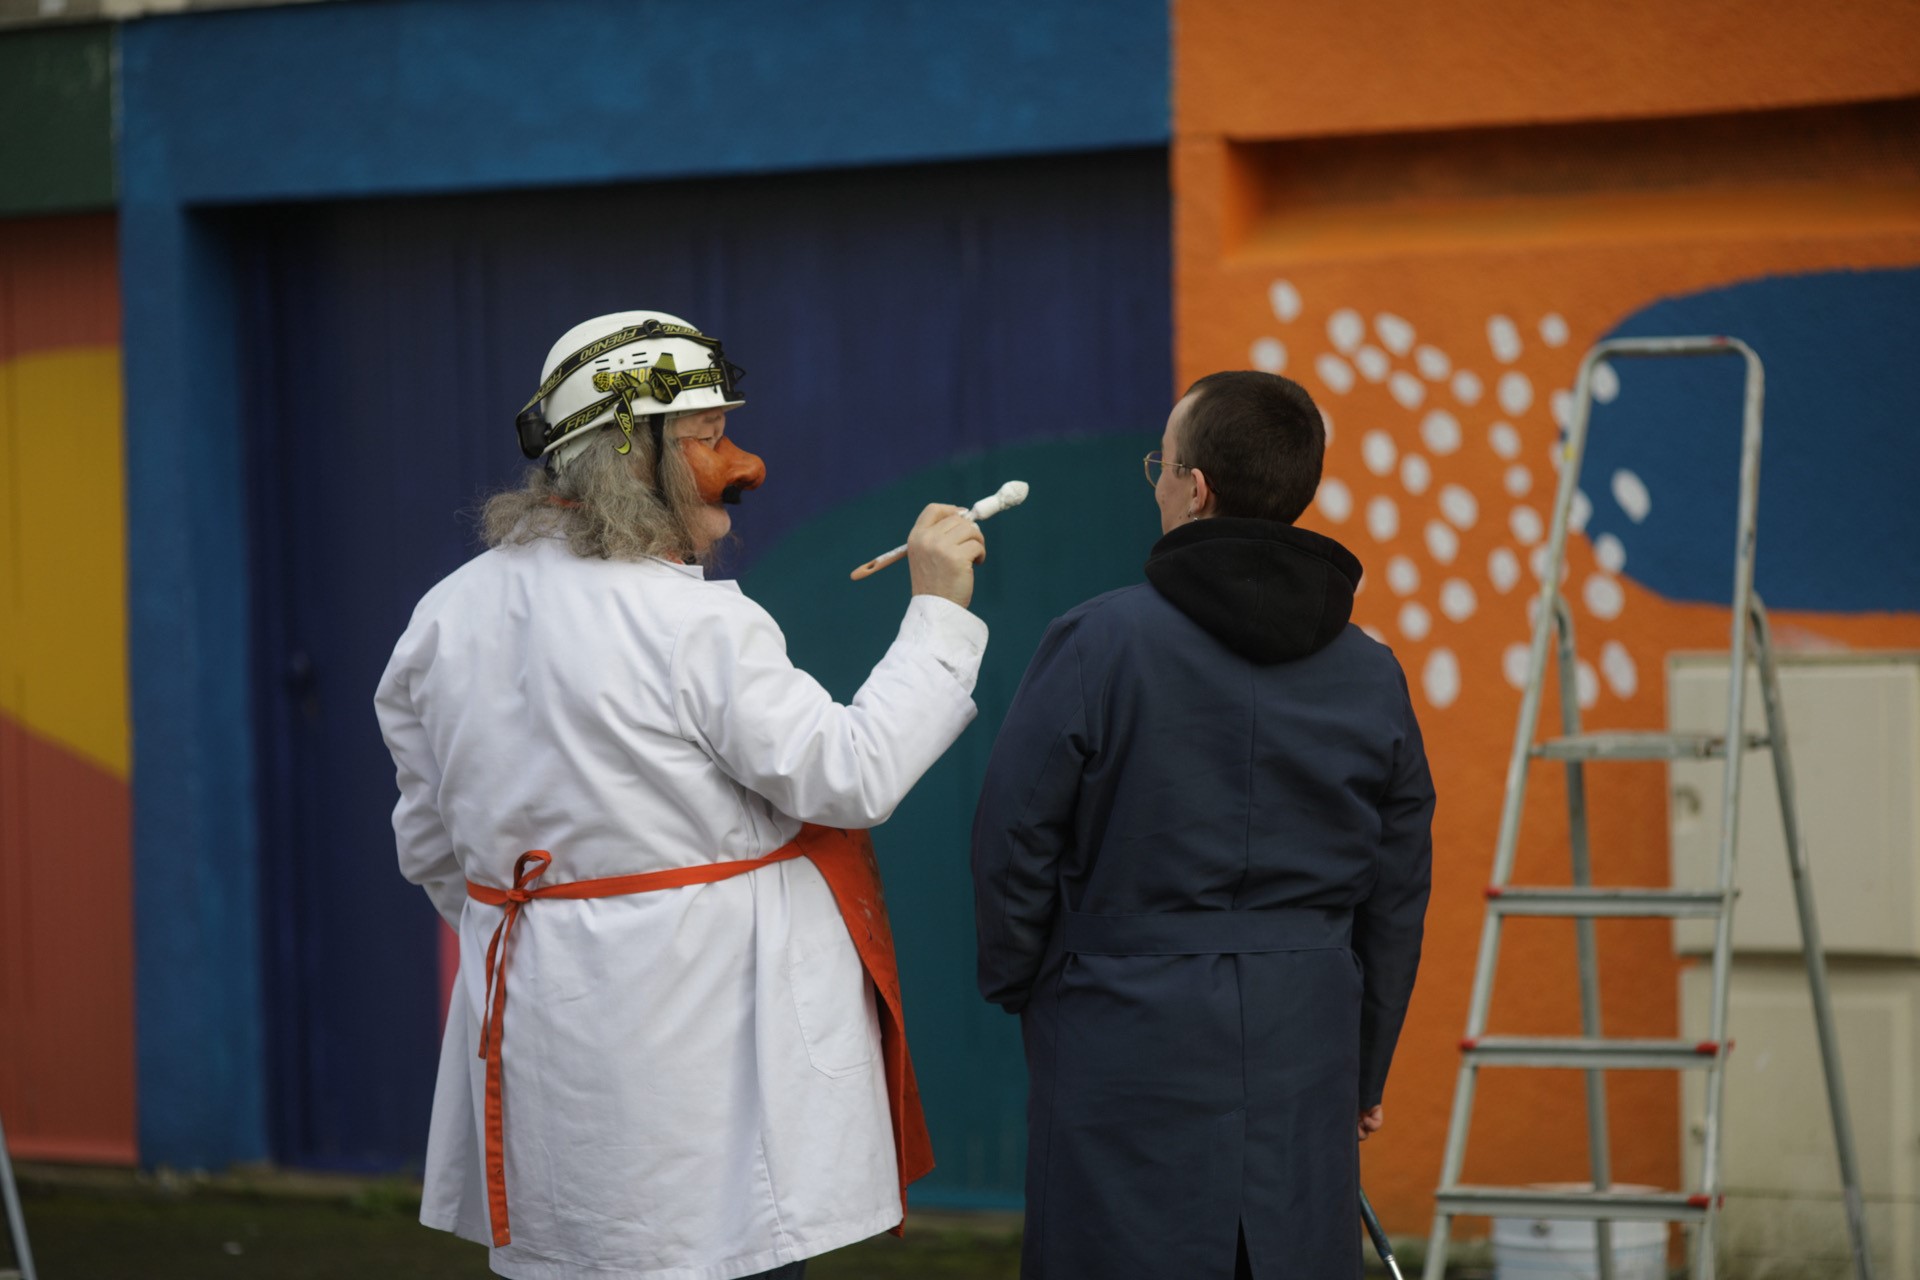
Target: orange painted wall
{"points": [[1420, 171], [66, 915]]}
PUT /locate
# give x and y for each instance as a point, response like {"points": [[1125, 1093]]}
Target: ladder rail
{"points": [[1599, 1152], [16, 1219], [1811, 946], [1512, 805], [1746, 530]]}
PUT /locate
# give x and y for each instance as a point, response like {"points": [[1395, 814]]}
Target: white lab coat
{"points": [[692, 1076]]}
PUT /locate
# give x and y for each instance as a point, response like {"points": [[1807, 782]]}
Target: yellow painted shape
{"points": [[63, 614]]}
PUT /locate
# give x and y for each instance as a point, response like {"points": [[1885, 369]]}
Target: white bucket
{"points": [[1566, 1248]]}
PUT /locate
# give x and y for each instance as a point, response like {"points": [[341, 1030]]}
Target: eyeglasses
{"points": [[1153, 463]]}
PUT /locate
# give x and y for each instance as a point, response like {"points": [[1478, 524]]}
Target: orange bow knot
{"points": [[523, 877]]}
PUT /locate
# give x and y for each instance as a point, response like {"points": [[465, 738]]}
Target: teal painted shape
{"points": [[1085, 529]]}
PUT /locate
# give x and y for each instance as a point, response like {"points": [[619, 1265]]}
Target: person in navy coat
{"points": [[1201, 861]]}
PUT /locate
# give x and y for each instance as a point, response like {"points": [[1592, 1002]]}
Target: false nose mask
{"points": [[722, 471]]}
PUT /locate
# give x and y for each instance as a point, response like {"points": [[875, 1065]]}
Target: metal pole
{"points": [[16, 1220], [1599, 1151], [1381, 1245], [1810, 943], [1512, 806], [1705, 1254]]}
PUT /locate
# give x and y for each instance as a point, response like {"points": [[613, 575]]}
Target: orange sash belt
{"points": [[846, 863]]}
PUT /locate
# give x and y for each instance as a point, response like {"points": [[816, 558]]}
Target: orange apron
{"points": [[845, 861]]}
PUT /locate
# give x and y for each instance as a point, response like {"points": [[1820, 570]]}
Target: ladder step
{"points": [[1581, 1051], [1667, 903], [1641, 746], [1529, 1202]]}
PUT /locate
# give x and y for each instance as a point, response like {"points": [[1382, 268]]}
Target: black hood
{"points": [[1266, 590]]}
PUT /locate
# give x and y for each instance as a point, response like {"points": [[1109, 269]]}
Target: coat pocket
{"points": [[833, 1000]]}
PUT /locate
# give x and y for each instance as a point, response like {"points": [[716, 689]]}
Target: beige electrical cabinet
{"points": [[1783, 1216], [1853, 725]]}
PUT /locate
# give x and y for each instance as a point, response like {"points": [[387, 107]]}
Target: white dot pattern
{"points": [[1458, 504], [1285, 301], [1403, 576], [1603, 597], [1608, 551], [1346, 330], [1516, 392], [1618, 669], [1503, 569], [1334, 372], [1561, 405], [1606, 383], [1422, 406], [1457, 599], [1630, 492], [1587, 681], [1440, 677], [1395, 333], [1503, 336], [1407, 389], [1441, 432], [1513, 664], [1335, 500], [1504, 439], [1372, 363], [1378, 451], [1415, 474], [1383, 518]]}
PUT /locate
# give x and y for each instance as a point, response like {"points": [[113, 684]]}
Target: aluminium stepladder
{"points": [[16, 1220], [1590, 1051]]}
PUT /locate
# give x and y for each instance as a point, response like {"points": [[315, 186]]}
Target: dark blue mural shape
{"points": [[1838, 523]]}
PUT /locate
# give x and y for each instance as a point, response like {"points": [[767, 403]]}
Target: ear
{"points": [[1204, 499]]}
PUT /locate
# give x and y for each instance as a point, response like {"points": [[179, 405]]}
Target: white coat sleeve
{"points": [[777, 732], [426, 850]]}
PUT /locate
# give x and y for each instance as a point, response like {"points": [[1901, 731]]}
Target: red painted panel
{"points": [[66, 954], [59, 284]]}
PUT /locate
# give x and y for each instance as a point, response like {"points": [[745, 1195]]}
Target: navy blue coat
{"points": [[1201, 863]]}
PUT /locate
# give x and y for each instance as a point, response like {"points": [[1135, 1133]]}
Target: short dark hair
{"points": [[1260, 440]]}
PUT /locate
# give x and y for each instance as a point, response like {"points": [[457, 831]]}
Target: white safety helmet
{"points": [[614, 369]]}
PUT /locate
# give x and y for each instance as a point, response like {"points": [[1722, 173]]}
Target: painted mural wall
{"points": [[66, 918], [1427, 222]]}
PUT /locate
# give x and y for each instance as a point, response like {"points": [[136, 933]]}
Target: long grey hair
{"points": [[605, 503]]}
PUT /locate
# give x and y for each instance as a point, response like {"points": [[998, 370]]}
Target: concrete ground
{"points": [[110, 1224]]}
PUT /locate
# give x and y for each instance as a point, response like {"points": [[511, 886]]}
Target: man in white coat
{"points": [[608, 773]]}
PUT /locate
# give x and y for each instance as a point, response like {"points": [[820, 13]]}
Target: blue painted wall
{"points": [[439, 95], [221, 111], [1841, 408]]}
